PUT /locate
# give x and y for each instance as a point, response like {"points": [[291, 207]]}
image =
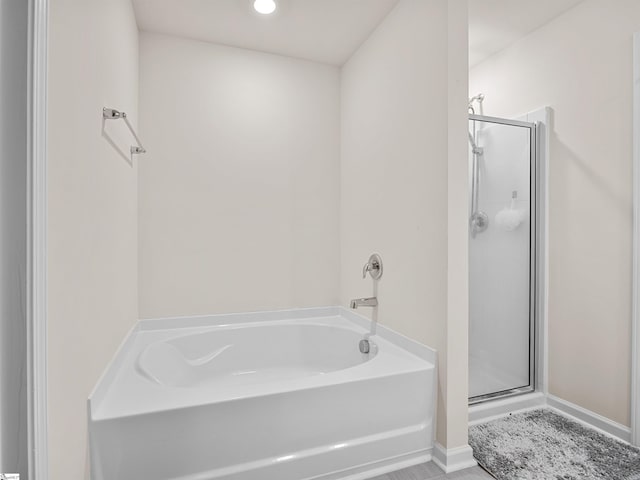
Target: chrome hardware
{"points": [[477, 150], [478, 222], [477, 98], [112, 114], [364, 302], [373, 266]]}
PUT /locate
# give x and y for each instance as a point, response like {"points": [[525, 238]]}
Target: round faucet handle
{"points": [[373, 266]]}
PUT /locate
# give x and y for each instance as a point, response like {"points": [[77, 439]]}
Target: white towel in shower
{"points": [[510, 218]]}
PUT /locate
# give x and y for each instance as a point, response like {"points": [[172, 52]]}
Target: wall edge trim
{"points": [[36, 281], [635, 289], [453, 459]]}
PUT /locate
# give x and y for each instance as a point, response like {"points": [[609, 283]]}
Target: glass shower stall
{"points": [[502, 257]]}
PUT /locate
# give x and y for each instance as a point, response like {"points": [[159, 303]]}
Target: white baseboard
{"points": [[453, 459], [486, 412], [591, 419]]}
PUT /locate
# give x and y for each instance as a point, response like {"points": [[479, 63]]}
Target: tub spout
{"points": [[364, 302]]}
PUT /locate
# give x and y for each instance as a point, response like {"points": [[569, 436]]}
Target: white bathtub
{"points": [[263, 396]]}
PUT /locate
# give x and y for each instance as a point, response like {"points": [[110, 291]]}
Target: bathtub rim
{"points": [[191, 321]]}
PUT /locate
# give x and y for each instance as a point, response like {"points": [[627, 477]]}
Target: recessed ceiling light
{"points": [[265, 6]]}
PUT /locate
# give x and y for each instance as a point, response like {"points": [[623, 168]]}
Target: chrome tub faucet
{"points": [[364, 302], [374, 268]]}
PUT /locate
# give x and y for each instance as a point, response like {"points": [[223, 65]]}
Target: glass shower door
{"points": [[502, 221]]}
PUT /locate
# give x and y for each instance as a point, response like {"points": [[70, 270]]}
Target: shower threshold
{"points": [[512, 392]]}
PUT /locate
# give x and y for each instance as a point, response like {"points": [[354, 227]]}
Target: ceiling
{"points": [[496, 24], [326, 31], [329, 31]]}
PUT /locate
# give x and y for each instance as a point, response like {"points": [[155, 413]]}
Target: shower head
{"points": [[477, 98]]}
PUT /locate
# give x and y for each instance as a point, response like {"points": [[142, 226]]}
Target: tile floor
{"points": [[429, 471]]}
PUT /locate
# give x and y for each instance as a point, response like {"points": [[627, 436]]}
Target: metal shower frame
{"points": [[535, 219]]}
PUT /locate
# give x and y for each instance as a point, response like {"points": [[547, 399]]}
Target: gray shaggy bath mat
{"points": [[542, 445]]}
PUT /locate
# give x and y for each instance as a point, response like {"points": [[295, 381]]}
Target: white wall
{"points": [[239, 192], [580, 65], [239, 197], [92, 244], [248, 172], [396, 122], [13, 235]]}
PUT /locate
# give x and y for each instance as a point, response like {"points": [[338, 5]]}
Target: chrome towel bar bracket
{"points": [[112, 114]]}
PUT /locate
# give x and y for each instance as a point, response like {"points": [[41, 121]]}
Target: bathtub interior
{"points": [[228, 356]]}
